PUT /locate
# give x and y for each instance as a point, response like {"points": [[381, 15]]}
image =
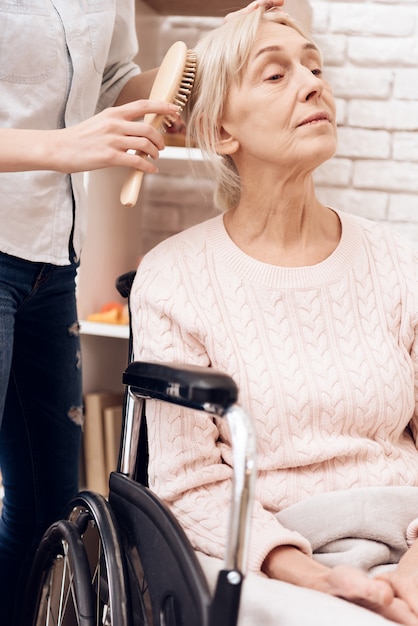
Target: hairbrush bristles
{"points": [[185, 87], [173, 83]]}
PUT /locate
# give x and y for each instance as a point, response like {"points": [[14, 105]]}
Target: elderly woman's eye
{"points": [[274, 77]]}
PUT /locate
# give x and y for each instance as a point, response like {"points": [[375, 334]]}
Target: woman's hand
{"points": [[268, 4], [101, 141], [404, 579], [105, 139], [289, 564], [375, 594]]}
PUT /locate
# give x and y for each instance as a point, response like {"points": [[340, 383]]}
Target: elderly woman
{"points": [[314, 314]]}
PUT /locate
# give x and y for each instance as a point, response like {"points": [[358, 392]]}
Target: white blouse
{"points": [[61, 62]]}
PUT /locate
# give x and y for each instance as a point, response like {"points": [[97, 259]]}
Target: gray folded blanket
{"points": [[370, 528]]}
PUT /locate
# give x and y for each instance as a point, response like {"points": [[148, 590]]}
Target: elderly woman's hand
{"points": [[268, 4], [404, 579]]}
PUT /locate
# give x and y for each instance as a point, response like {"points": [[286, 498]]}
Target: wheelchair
{"points": [[125, 560]]}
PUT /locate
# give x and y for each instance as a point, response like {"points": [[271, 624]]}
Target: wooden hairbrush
{"points": [[173, 83]]}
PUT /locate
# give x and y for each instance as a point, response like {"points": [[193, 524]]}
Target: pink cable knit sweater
{"points": [[325, 357]]}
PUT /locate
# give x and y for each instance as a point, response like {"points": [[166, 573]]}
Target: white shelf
{"points": [[99, 329], [177, 153], [178, 161]]}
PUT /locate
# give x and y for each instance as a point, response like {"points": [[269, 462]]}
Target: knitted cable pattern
{"points": [[325, 358]]}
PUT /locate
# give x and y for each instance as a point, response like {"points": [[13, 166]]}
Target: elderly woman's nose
{"points": [[310, 84]]}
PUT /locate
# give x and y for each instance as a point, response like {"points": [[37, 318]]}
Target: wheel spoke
{"points": [[60, 581], [62, 591], [49, 616]]}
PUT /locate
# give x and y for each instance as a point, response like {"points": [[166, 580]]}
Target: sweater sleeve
{"points": [[189, 450]]}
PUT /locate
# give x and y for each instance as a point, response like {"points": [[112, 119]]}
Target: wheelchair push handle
{"points": [[124, 283]]}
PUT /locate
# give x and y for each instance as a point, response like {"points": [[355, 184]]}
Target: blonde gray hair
{"points": [[222, 55]]}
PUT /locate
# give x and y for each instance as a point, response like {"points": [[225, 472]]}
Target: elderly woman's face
{"points": [[282, 111]]}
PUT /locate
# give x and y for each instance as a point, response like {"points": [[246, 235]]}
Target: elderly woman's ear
{"points": [[226, 144]]}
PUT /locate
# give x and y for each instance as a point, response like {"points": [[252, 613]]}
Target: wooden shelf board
{"points": [[215, 8]]}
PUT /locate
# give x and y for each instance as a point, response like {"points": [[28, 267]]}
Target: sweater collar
{"points": [[272, 276]]}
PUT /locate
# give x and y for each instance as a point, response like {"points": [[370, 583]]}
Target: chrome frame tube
{"points": [[130, 435], [244, 452], [243, 441]]}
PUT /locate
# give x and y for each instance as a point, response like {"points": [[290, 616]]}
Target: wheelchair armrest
{"points": [[191, 386], [204, 389]]}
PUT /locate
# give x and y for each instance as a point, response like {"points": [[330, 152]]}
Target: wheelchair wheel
{"points": [[94, 519], [59, 589]]}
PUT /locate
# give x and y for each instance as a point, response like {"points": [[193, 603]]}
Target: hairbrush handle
{"points": [[173, 83], [133, 181], [131, 188]]}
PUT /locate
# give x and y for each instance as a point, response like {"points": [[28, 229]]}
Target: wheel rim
{"points": [[93, 517], [61, 576]]}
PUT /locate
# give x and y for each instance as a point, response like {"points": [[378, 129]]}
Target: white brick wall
{"points": [[371, 57]]}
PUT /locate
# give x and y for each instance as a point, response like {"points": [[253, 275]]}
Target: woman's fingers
{"points": [[268, 4], [112, 137], [138, 108], [375, 594], [354, 585], [399, 611], [404, 583]]}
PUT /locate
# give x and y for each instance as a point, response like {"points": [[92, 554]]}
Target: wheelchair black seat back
{"points": [[126, 561]]}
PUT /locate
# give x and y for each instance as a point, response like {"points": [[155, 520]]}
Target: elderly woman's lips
{"points": [[314, 119]]}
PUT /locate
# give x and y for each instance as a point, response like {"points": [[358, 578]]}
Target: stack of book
{"points": [[101, 437]]}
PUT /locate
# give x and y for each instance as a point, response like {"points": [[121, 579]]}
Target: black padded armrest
{"points": [[190, 386]]}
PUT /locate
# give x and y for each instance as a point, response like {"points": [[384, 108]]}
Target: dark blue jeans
{"points": [[40, 411]]}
